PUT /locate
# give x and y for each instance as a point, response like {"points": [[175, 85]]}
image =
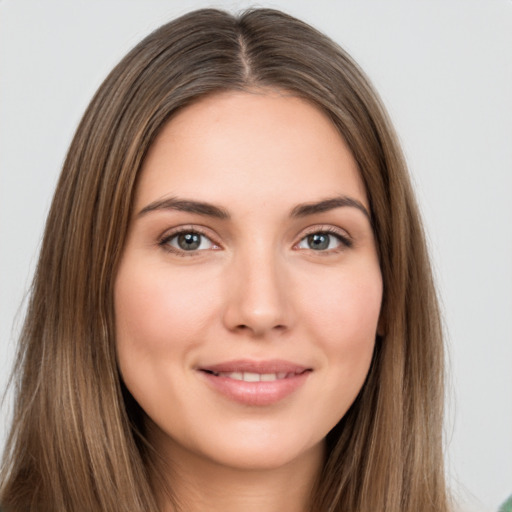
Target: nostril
{"points": [[244, 327], [256, 330]]}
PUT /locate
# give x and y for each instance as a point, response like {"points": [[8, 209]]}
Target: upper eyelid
{"points": [[187, 228], [325, 228]]}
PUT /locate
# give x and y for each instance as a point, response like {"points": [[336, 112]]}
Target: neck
{"points": [[198, 484]]}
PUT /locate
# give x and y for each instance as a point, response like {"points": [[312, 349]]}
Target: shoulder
{"points": [[506, 507]]}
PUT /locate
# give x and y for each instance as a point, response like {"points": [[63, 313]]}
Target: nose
{"points": [[258, 296]]}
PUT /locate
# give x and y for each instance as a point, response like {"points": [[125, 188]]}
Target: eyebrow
{"points": [[210, 210], [303, 210], [185, 205]]}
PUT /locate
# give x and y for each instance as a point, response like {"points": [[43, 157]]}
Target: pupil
{"points": [[189, 241], [318, 241]]}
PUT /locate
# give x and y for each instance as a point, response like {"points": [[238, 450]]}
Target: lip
{"points": [[289, 378]]}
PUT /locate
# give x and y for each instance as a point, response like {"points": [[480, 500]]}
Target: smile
{"points": [[255, 383], [255, 377]]}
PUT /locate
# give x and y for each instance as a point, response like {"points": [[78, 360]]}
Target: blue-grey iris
{"points": [[318, 241], [189, 241]]}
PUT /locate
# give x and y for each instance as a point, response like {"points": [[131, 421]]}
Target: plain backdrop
{"points": [[443, 69]]}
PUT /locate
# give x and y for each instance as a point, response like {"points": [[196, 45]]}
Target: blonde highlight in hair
{"points": [[77, 440]]}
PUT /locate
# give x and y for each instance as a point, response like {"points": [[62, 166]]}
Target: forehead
{"points": [[262, 145]]}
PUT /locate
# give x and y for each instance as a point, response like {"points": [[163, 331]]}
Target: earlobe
{"points": [[381, 326]]}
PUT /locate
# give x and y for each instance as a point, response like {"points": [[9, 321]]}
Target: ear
{"points": [[381, 326]]}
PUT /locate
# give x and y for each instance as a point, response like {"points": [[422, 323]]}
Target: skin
{"points": [[255, 289]]}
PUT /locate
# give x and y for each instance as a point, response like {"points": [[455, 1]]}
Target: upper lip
{"points": [[263, 367]]}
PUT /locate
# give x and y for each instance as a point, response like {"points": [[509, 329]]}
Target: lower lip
{"points": [[256, 393]]}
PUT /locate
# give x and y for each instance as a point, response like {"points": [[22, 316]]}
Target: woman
{"points": [[233, 305]]}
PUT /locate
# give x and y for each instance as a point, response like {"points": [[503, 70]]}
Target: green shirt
{"points": [[506, 507]]}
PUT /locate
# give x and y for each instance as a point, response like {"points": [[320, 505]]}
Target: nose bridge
{"points": [[258, 299]]}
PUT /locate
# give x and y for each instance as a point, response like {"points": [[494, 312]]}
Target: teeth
{"points": [[255, 377]]}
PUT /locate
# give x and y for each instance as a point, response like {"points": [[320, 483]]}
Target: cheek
{"points": [[347, 303], [153, 307], [161, 318], [343, 320]]}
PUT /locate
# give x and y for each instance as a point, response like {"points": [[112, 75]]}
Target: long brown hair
{"points": [[77, 441]]}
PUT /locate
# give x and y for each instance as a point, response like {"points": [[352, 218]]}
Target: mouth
{"points": [[255, 376], [255, 382]]}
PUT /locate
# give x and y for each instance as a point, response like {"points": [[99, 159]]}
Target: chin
{"points": [[251, 446], [264, 458]]}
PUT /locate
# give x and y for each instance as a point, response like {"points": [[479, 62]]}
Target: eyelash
{"points": [[344, 240], [184, 230]]}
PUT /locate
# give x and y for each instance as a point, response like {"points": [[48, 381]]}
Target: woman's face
{"points": [[249, 291]]}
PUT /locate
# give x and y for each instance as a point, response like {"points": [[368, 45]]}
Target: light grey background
{"points": [[444, 70]]}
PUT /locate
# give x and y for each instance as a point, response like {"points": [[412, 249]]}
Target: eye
{"points": [[324, 241], [187, 241]]}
